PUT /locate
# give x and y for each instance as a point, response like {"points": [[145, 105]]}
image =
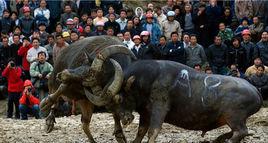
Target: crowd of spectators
{"points": [[215, 37]]}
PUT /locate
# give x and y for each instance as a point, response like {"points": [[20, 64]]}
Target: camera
{"points": [[29, 89], [12, 64]]}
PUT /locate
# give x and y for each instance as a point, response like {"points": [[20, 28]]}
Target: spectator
{"points": [[42, 34], [71, 3], [100, 29], [42, 14], [6, 23], [3, 6], [112, 23], [200, 20], [26, 22], [111, 11], [25, 3], [262, 48], [14, 49], [195, 53], [49, 47], [168, 7], [214, 13], [188, 19], [99, 17], [170, 25], [217, 56], [162, 46], [260, 81], [130, 13], [5, 52], [208, 70], [88, 32], [237, 54], [110, 31], [70, 25], [16, 31], [152, 28], [243, 9], [160, 16], [66, 37], [40, 71], [77, 27], [127, 40], [179, 15], [58, 30], [186, 40], [249, 46], [59, 46], [137, 49], [84, 18], [122, 19], [234, 71], [226, 18], [14, 18], [130, 27], [26, 45], [244, 25], [226, 34], [32, 53], [90, 23], [137, 25], [197, 68], [74, 36], [256, 29], [28, 103], [253, 69], [175, 50], [121, 37], [67, 14], [13, 73]]}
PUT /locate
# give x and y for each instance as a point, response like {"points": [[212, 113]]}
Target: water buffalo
{"points": [[165, 91], [82, 70]]}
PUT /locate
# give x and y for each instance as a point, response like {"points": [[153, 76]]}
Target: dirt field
{"points": [[68, 130]]}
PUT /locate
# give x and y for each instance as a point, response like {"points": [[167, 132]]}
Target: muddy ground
{"points": [[68, 130]]}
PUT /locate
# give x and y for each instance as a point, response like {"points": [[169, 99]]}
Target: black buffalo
{"points": [[165, 91]]}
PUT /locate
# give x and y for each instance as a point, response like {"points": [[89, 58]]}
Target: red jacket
{"points": [[23, 52], [15, 83], [32, 100]]}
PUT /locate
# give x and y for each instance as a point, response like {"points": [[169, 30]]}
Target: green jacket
{"points": [[227, 34], [44, 69]]}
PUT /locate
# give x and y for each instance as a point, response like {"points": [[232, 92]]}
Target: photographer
{"points": [[28, 103], [15, 87], [40, 72], [234, 72]]}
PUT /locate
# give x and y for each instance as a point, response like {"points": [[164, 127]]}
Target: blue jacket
{"points": [[156, 32]]}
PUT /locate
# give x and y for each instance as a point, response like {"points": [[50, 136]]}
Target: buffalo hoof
{"points": [[50, 120], [45, 104]]}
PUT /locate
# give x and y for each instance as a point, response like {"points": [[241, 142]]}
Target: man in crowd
{"points": [[175, 50], [32, 53], [262, 48], [253, 69], [13, 74], [59, 46], [217, 56], [170, 25], [28, 103], [122, 20], [26, 45]]}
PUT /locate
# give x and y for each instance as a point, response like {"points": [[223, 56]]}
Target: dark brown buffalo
{"points": [[166, 91], [82, 70]]}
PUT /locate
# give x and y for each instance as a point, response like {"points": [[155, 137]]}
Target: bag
{"points": [[43, 84]]}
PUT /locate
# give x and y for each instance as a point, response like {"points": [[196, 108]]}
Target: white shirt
{"points": [[129, 43], [44, 12], [33, 52], [122, 23]]}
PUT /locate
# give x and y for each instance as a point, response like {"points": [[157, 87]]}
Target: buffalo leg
{"points": [[239, 130], [118, 132], [143, 126], [158, 114], [50, 119], [47, 102], [87, 110]]}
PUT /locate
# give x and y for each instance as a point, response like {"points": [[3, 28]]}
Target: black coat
{"points": [[217, 55], [238, 56], [176, 52], [114, 25]]}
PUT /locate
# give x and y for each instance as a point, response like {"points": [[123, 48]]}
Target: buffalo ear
{"points": [[129, 82]]}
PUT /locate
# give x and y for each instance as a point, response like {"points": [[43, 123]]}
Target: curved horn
{"points": [[96, 100], [118, 79], [107, 52]]}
